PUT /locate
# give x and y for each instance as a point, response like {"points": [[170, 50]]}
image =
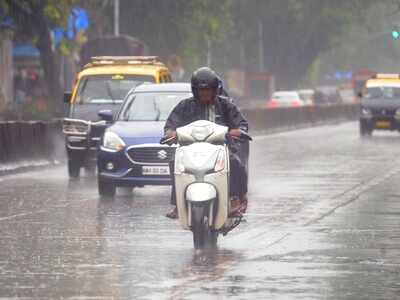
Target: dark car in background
{"points": [[130, 154], [380, 104]]}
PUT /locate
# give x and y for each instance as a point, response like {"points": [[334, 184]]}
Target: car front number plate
{"points": [[155, 170], [383, 124]]}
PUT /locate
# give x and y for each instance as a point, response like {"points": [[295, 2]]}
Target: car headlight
{"points": [[397, 115], [112, 141], [366, 112], [75, 128]]}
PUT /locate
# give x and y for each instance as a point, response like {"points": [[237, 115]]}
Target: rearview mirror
{"points": [[106, 115], [67, 97]]}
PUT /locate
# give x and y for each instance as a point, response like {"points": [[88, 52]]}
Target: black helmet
{"points": [[204, 78]]}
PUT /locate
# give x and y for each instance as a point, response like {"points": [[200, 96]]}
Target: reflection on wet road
{"points": [[323, 223]]}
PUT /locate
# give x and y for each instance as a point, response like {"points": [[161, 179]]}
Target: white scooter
{"points": [[202, 181]]}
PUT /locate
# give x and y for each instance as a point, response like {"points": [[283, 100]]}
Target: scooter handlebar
{"points": [[168, 140], [244, 137]]}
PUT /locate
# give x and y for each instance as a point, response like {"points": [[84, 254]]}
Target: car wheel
{"points": [[74, 168], [106, 189], [364, 130]]}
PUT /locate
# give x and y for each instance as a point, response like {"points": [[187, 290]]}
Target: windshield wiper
{"points": [[109, 92], [157, 110]]}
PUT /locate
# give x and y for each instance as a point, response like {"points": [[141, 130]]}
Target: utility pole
{"points": [[116, 17], [209, 58], [261, 46]]}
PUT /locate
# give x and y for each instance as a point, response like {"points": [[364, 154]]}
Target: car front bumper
{"points": [[81, 148], [381, 123], [126, 172]]}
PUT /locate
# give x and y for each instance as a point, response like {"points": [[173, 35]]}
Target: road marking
{"points": [[20, 215]]}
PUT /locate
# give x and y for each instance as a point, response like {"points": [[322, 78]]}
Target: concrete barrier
{"points": [[24, 140], [264, 120], [20, 140]]}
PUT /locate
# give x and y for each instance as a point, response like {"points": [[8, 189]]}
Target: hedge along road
{"points": [[323, 222]]}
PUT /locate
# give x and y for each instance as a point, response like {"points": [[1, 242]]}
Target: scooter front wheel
{"points": [[203, 235]]}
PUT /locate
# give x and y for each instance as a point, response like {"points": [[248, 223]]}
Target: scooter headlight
{"points": [[220, 162], [112, 141]]}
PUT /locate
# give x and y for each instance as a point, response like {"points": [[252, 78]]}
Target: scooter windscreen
{"points": [[202, 131]]}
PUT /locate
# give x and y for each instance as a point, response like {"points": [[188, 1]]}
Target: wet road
{"points": [[323, 223]]}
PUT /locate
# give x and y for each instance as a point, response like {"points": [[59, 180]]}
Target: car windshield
{"points": [[151, 106], [383, 92], [108, 89]]}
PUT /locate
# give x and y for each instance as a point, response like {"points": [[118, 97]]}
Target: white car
{"points": [[285, 99]]}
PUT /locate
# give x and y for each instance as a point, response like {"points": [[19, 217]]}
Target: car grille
{"points": [[383, 112], [97, 130], [152, 155]]}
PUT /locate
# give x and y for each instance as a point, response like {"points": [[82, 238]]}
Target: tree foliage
{"points": [[34, 20], [294, 32], [176, 26]]}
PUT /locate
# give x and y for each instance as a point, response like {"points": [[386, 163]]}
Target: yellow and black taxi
{"points": [[380, 104], [102, 86]]}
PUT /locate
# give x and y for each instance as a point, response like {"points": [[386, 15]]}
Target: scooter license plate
{"points": [[155, 170]]}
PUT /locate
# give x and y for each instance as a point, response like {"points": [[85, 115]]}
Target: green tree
{"points": [[295, 32], [34, 20], [176, 26]]}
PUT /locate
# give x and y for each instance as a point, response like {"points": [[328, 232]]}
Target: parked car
{"points": [[130, 154], [102, 84], [307, 96], [380, 104], [285, 99], [347, 94], [327, 95]]}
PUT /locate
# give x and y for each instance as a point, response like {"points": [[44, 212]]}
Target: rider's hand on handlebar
{"points": [[171, 134], [235, 133], [169, 138]]}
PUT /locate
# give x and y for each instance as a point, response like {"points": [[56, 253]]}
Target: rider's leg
{"points": [[173, 213], [240, 151], [238, 185]]}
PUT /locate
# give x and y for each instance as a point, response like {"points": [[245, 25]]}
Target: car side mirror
{"points": [[106, 115], [67, 97]]}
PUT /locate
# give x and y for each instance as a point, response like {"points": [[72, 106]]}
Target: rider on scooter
{"points": [[208, 104]]}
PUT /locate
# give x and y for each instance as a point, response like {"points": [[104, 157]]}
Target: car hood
{"points": [[134, 133], [89, 112], [381, 103]]}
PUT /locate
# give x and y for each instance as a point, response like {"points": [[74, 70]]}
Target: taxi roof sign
{"points": [[118, 60], [386, 76]]}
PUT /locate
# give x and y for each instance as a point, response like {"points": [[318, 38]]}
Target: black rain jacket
{"points": [[191, 109]]}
